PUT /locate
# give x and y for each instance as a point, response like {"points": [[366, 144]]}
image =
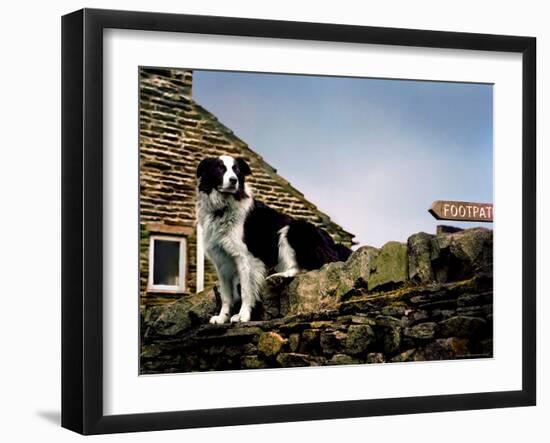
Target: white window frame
{"points": [[182, 287], [200, 259]]}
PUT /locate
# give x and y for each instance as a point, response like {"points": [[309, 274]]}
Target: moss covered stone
{"points": [[271, 343], [176, 318], [253, 362], [375, 357], [421, 331], [292, 360], [446, 348], [419, 249], [343, 359], [332, 342], [411, 322], [407, 355], [324, 288], [391, 267], [359, 338], [461, 255], [460, 326]]}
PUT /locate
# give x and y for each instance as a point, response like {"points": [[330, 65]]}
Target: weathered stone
{"points": [[404, 356], [273, 295], [388, 333], [391, 267], [321, 324], [442, 314], [150, 351], [419, 250], [420, 299], [397, 309], [323, 289], [203, 305], [446, 348], [386, 320], [358, 339], [375, 357], [228, 335], [292, 360], [474, 299], [227, 350], [309, 341], [460, 255], [421, 331], [460, 326], [332, 342], [294, 342], [392, 340], [294, 326], [342, 359], [175, 318], [417, 316], [362, 319], [475, 311], [343, 319], [253, 362], [316, 290], [248, 348], [271, 343], [411, 322], [356, 307], [407, 342], [361, 262]]}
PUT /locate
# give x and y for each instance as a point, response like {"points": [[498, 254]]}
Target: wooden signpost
{"points": [[462, 211]]}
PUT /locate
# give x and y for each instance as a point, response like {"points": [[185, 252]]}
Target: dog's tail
{"points": [[343, 251], [313, 246]]}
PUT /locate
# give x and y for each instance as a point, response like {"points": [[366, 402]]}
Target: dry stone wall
{"points": [[428, 299]]}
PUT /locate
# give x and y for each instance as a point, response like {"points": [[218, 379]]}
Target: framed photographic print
{"points": [[269, 221]]}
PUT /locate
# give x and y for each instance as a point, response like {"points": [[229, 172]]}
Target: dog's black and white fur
{"points": [[247, 240]]}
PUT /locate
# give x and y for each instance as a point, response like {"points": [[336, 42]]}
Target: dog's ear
{"points": [[243, 166], [203, 166]]}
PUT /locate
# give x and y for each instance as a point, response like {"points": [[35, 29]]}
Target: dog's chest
{"points": [[223, 233]]}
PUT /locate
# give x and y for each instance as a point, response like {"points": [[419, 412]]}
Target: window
{"points": [[167, 263]]}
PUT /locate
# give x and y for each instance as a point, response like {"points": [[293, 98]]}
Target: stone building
{"points": [[175, 134]]}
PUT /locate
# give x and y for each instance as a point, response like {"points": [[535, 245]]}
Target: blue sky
{"points": [[371, 153]]}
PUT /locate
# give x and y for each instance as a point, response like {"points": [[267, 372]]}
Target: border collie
{"points": [[247, 240]]}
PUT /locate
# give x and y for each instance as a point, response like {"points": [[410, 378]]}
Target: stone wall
{"points": [[175, 134], [428, 299]]}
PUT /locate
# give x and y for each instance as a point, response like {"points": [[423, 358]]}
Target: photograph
{"points": [[267, 222], [291, 220]]}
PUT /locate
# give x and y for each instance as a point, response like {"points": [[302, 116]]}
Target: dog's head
{"points": [[224, 174]]}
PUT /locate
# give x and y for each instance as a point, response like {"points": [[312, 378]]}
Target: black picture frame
{"points": [[82, 218]]}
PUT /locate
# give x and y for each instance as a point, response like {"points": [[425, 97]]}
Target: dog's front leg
{"points": [[247, 299], [251, 276], [225, 276]]}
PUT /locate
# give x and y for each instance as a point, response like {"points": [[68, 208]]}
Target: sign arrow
{"points": [[462, 211]]}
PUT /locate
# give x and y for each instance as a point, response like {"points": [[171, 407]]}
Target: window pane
{"points": [[166, 264]]}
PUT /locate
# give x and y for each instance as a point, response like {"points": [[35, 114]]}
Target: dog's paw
{"points": [[219, 319], [272, 277], [241, 317], [287, 274]]}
